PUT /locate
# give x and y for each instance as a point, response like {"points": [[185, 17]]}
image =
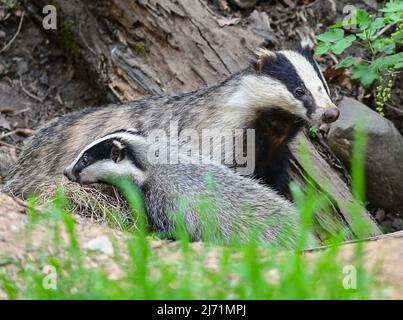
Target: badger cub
{"points": [[215, 203]]}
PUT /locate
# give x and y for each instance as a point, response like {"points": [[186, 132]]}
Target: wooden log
{"points": [[134, 48]]}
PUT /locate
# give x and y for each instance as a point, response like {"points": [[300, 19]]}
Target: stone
{"points": [[101, 243], [397, 223], [380, 215], [384, 158]]}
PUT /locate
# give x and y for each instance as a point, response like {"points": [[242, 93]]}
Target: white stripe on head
{"points": [[109, 169], [309, 76], [130, 135], [324, 82], [257, 91]]}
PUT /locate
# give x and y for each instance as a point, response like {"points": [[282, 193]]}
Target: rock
{"points": [[14, 228], [4, 124], [380, 215], [244, 4], [384, 160], [101, 243], [398, 223]]}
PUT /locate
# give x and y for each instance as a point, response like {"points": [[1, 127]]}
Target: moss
{"points": [[69, 41], [138, 48], [67, 37]]}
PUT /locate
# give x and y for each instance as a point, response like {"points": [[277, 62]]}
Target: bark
{"points": [[134, 48]]}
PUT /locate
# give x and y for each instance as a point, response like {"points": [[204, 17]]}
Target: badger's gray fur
{"points": [[275, 96], [232, 207]]}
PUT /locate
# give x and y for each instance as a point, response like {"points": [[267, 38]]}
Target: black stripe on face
{"points": [[280, 68], [131, 153], [101, 151], [308, 55]]}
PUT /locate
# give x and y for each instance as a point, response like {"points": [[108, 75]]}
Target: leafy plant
{"points": [[8, 5], [313, 132], [383, 61]]}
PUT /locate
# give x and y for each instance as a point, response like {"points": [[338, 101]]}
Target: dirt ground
{"points": [[20, 245], [37, 80]]}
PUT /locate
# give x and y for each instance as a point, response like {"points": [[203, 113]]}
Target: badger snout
{"points": [[330, 115], [69, 174]]}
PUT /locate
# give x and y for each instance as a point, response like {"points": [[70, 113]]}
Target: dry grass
{"points": [[100, 203]]}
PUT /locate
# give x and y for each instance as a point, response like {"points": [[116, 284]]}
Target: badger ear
{"points": [[132, 130], [117, 151], [135, 131], [263, 58], [307, 46]]}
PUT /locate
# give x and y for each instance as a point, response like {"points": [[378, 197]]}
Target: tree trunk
{"points": [[134, 48]]}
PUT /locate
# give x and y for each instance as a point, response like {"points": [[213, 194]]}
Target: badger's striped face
{"points": [[109, 158], [291, 81]]}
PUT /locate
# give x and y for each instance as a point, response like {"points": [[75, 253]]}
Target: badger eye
{"points": [[84, 160], [299, 92]]}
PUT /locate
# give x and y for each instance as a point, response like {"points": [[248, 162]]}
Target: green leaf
{"points": [[393, 6], [397, 36], [341, 24], [338, 24], [377, 24], [313, 132], [322, 48], [343, 44], [346, 63], [373, 28], [384, 44], [332, 35], [363, 19], [388, 61], [393, 11], [365, 35], [393, 17], [365, 74], [398, 65]]}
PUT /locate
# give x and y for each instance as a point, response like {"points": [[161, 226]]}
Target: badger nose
{"points": [[67, 173], [330, 115]]}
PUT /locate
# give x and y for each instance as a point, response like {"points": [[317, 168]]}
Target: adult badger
{"points": [[276, 95], [214, 202]]}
